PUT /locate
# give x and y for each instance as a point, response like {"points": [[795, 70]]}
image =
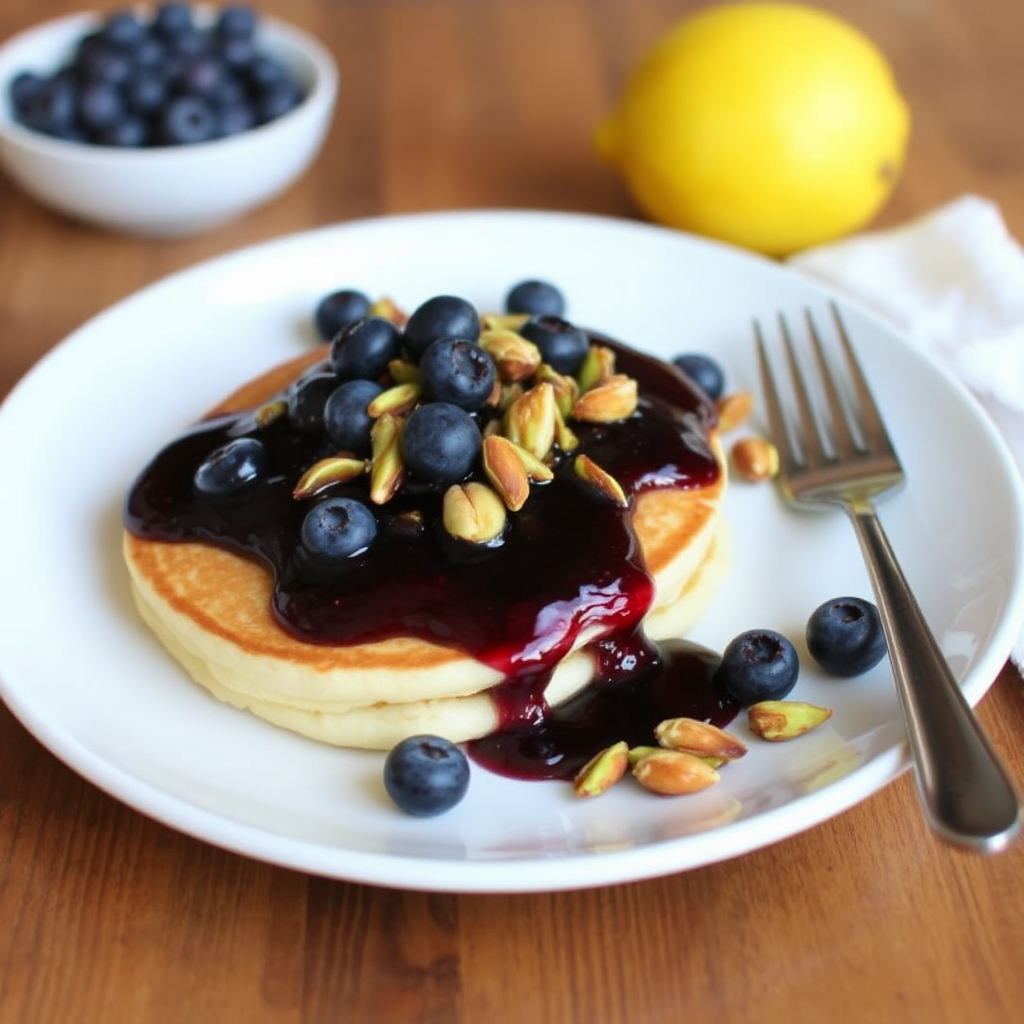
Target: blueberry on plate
{"points": [[538, 298], [337, 528], [562, 346], [426, 775], [334, 312], [231, 469], [307, 399], [443, 316], [703, 371], [363, 349], [458, 371], [757, 665], [346, 420], [844, 636], [440, 443]]}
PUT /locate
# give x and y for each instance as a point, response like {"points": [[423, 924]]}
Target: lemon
{"points": [[769, 125]]}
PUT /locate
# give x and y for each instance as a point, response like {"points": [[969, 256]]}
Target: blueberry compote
{"points": [[569, 562]]}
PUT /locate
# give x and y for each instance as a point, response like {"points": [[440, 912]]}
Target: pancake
{"points": [[211, 609]]}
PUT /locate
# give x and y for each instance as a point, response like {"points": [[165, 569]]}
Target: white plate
{"points": [[93, 685]]}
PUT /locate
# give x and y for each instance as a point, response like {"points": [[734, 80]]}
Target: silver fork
{"points": [[837, 453]]}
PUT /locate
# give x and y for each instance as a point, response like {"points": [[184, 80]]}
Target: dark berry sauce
{"points": [[569, 563]]}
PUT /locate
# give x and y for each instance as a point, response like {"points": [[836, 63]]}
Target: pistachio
{"points": [[506, 471], [403, 372], [503, 321], [701, 738], [509, 393], [604, 483], [537, 470], [564, 436], [610, 400], [734, 410], [266, 414], [473, 512], [387, 471], [779, 720], [673, 772], [515, 358], [389, 310], [566, 389], [396, 400], [603, 770], [337, 469], [531, 419], [755, 459], [597, 366], [635, 753]]}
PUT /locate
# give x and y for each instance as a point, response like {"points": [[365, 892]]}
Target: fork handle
{"points": [[967, 794]]}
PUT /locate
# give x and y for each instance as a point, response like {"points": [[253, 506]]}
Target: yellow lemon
{"points": [[768, 125]]}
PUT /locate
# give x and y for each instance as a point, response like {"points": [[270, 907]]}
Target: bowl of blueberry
{"points": [[162, 121]]}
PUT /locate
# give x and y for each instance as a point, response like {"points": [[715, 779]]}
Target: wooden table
{"points": [[108, 917]]}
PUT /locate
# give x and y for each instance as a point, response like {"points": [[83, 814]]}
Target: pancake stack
{"points": [[613, 544]]}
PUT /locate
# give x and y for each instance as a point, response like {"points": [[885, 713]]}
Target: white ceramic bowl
{"points": [[173, 190]]}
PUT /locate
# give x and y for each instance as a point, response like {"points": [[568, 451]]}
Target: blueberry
{"points": [[307, 400], [237, 52], [145, 92], [336, 311], [458, 371], [443, 316], [51, 109], [229, 92], [130, 132], [234, 118], [231, 469], [426, 775], [265, 72], [562, 346], [99, 106], [187, 120], [149, 54], [276, 100], [363, 349], [24, 86], [844, 636], [703, 371], [758, 665], [337, 528], [202, 76], [237, 21], [538, 298], [172, 19], [440, 443], [345, 417], [102, 64], [122, 29]]}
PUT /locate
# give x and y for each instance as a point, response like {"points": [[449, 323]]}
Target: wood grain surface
{"points": [[109, 917]]}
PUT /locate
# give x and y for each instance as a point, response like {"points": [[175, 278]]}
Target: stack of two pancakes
{"points": [[211, 609]]}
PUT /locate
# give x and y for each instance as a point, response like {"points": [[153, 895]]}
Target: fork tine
{"points": [[813, 450], [773, 407], [845, 443], [875, 435]]}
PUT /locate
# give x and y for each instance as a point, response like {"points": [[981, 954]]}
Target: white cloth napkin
{"points": [[953, 282]]}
